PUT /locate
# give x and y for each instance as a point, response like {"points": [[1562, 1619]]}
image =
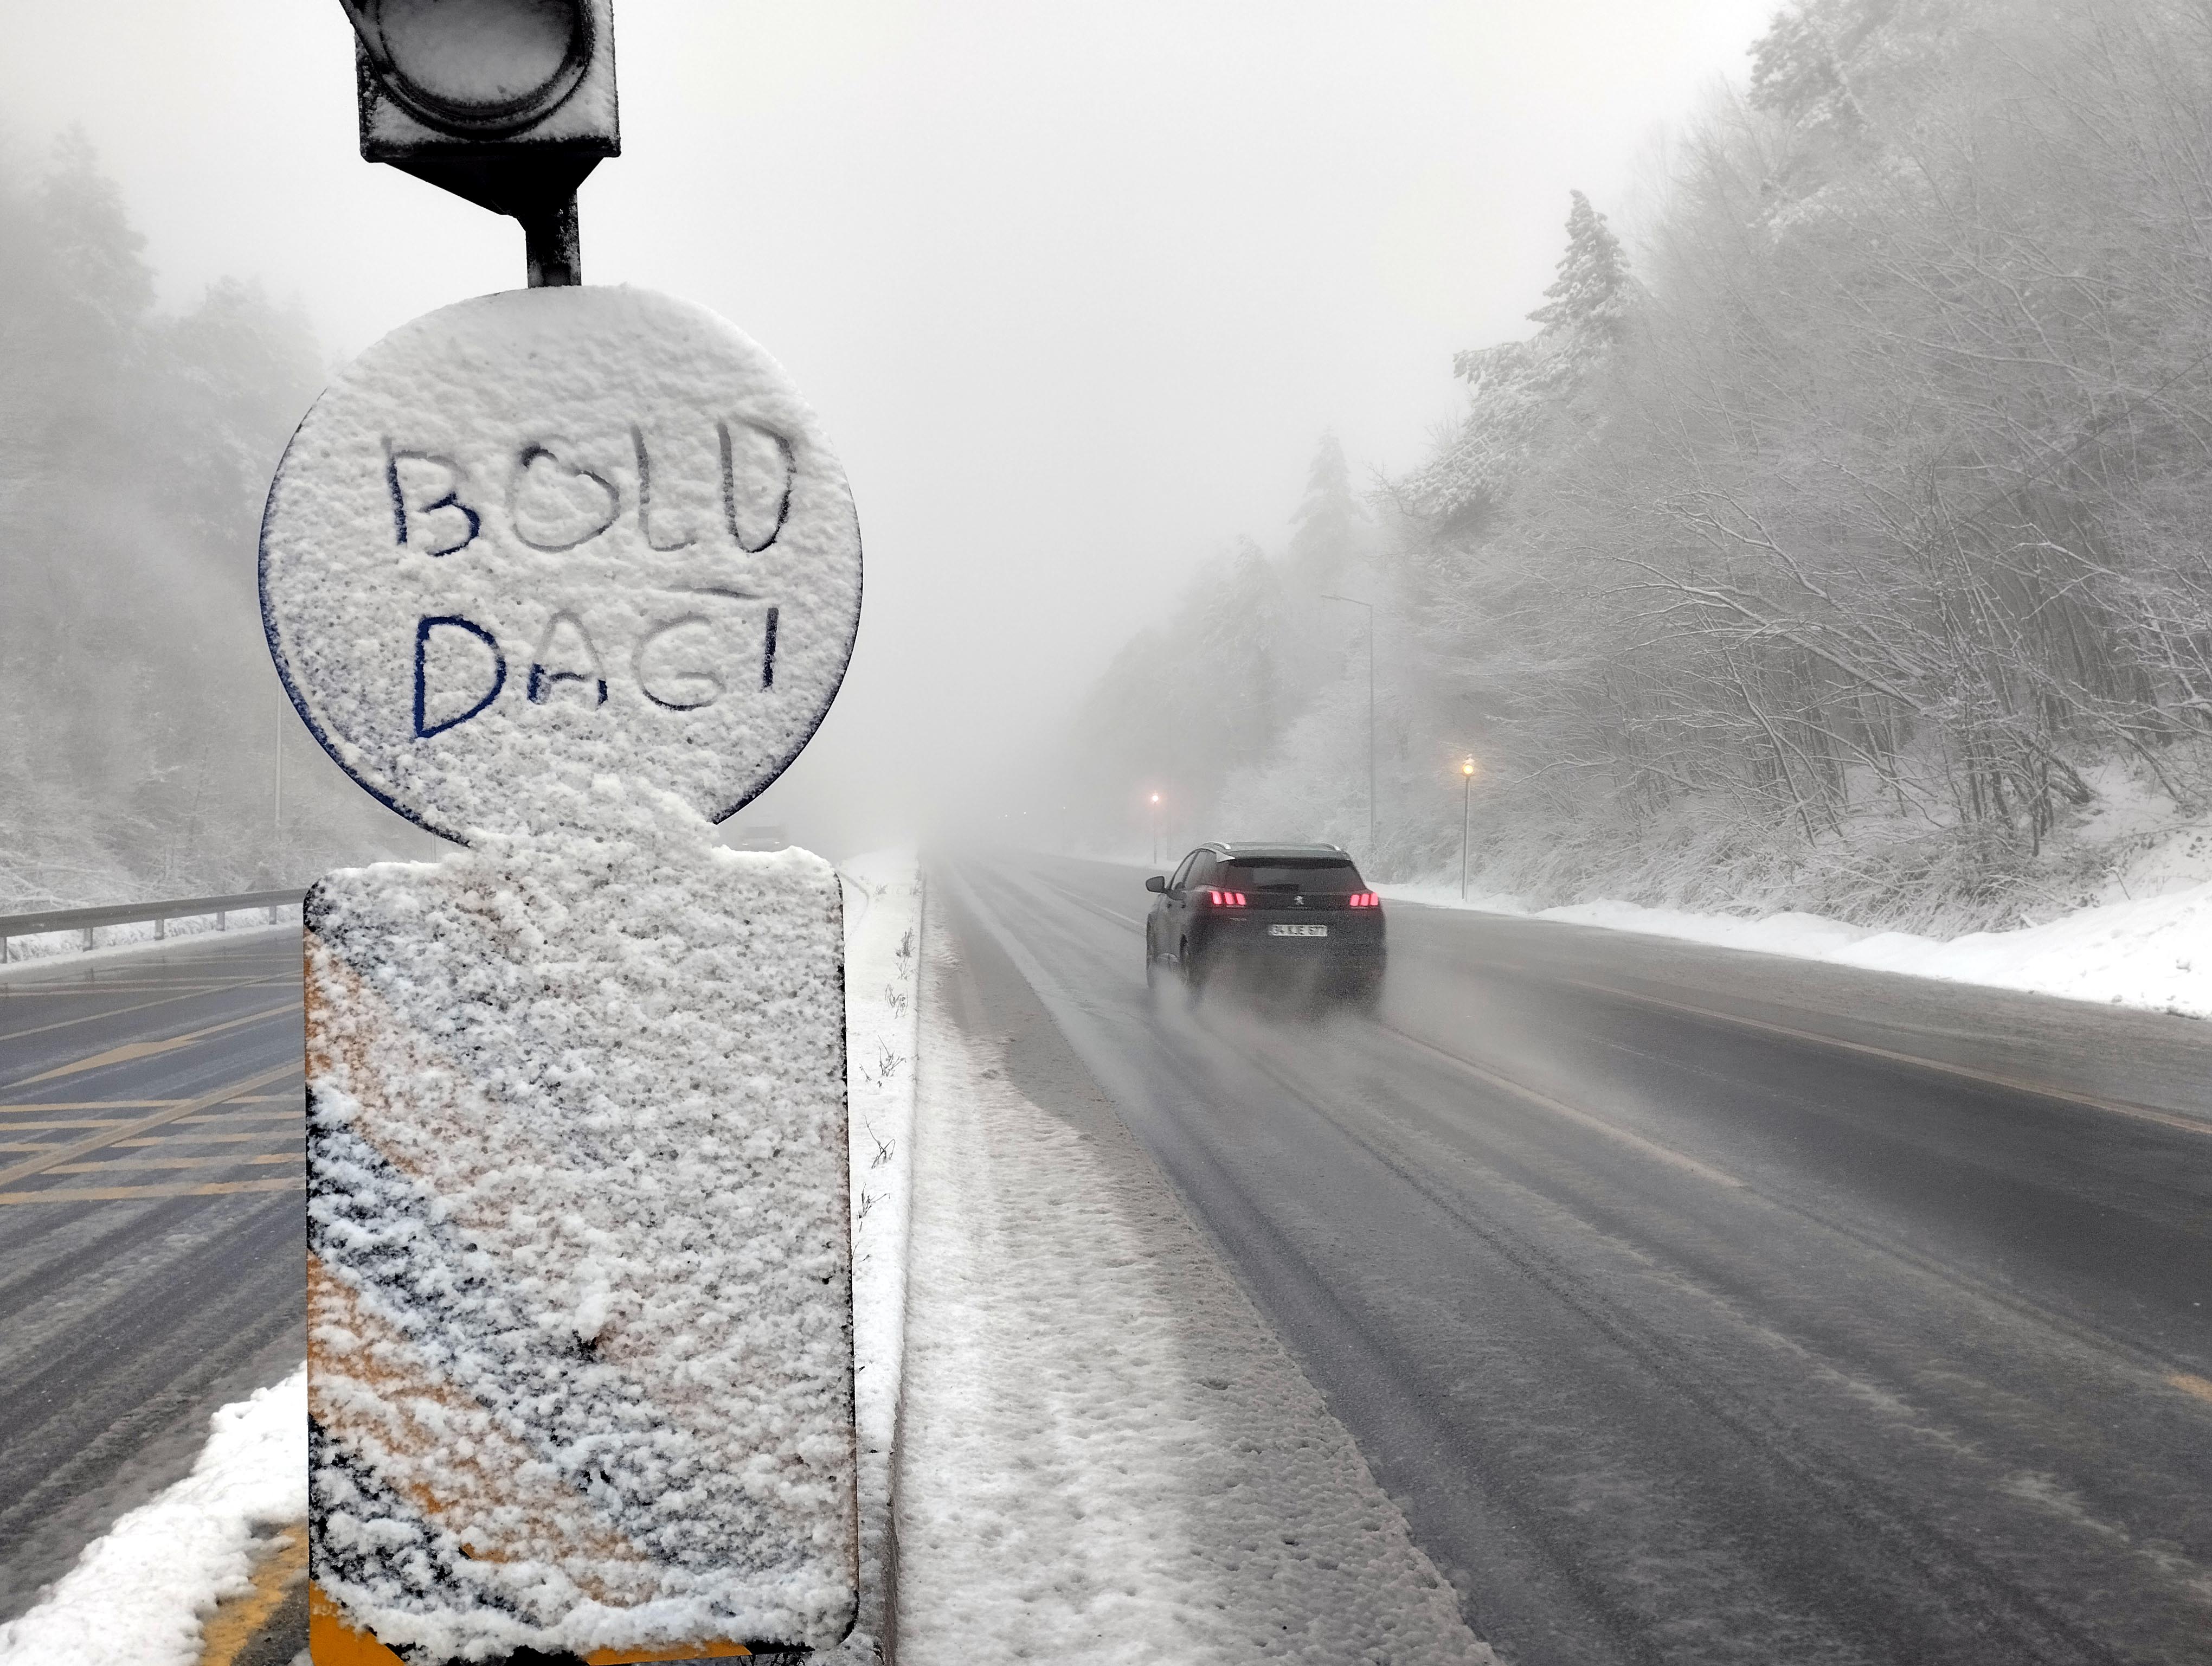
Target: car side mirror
{"points": [[1157, 882]]}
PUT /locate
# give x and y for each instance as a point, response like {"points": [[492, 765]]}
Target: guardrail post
{"points": [[87, 936], [222, 919], [161, 928]]}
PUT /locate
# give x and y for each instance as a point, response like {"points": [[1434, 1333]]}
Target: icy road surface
{"points": [[1698, 1306]]}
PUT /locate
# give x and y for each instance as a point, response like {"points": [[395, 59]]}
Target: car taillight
{"points": [[1365, 899], [1224, 899]]}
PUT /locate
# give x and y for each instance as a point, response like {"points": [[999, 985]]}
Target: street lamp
{"points": [[1156, 829], [1354, 601], [1467, 775]]}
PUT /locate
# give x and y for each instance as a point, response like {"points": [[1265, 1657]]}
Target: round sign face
{"points": [[560, 533]]}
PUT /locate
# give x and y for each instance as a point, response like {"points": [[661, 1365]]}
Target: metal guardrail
{"points": [[89, 921]]}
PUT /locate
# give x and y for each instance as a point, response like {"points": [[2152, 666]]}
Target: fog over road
{"points": [[152, 1223], [1701, 1306]]}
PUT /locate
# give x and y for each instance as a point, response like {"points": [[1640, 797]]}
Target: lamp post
{"points": [[1156, 829], [1354, 601], [1467, 773]]}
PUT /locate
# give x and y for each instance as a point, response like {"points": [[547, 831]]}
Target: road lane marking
{"points": [[88, 1104], [1596, 1124], [125, 1130], [2190, 1384], [113, 1165], [139, 1006], [1119, 919], [122, 1193], [127, 1052], [2199, 1125], [126, 1104], [132, 1121]]}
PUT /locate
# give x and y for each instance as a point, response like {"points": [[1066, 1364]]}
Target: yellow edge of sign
{"points": [[334, 1640]]}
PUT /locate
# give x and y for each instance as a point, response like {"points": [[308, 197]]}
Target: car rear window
{"points": [[1327, 877]]}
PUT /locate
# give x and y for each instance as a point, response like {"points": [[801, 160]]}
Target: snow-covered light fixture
{"points": [[509, 103]]}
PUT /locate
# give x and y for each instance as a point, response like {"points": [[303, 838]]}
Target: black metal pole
{"points": [[551, 244]]}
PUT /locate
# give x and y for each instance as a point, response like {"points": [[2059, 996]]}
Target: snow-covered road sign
{"points": [[559, 530], [566, 574]]}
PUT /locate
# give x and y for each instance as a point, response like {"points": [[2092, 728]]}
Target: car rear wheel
{"points": [[1194, 975]]}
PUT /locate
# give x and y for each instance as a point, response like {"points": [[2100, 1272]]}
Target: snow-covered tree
{"points": [[1590, 299]]}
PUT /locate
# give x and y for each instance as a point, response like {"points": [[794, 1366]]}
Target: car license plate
{"points": [[1298, 931]]}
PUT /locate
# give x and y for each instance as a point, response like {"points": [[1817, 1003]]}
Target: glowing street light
{"points": [[1156, 829], [1468, 771]]}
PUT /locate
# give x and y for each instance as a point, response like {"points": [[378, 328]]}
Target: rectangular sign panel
{"points": [[579, 1319]]}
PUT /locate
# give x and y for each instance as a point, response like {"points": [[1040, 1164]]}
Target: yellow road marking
{"points": [[2195, 1386], [1987, 1077], [238, 1621], [89, 1104], [128, 1051], [140, 1006], [113, 1163], [118, 1194], [147, 1124], [128, 1104], [1596, 1124], [332, 1639], [132, 1122]]}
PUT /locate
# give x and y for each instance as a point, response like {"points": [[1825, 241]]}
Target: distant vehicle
{"points": [[1281, 918], [762, 838]]}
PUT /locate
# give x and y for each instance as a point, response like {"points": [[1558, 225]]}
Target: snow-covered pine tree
{"points": [[1593, 292]]}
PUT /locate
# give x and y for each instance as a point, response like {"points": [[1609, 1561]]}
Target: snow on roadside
{"points": [[136, 1596], [883, 941], [1106, 1455], [2152, 952], [60, 951]]}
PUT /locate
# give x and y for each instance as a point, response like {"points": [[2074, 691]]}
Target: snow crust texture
{"points": [[1106, 1455], [579, 1325], [138, 1595], [560, 532]]}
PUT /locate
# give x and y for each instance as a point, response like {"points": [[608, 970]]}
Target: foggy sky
{"points": [[1075, 289]]}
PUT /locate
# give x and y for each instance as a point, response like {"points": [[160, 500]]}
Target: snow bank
{"points": [[51, 952], [883, 945], [2152, 952], [579, 1239], [136, 1596]]}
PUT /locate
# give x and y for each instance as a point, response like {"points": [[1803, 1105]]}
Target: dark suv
{"points": [[1291, 919]]}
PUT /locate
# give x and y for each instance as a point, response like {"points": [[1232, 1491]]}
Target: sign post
{"points": [[567, 575]]}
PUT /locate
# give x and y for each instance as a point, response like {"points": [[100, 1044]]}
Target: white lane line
{"points": [[129, 1052], [2201, 1125], [1596, 1124]]}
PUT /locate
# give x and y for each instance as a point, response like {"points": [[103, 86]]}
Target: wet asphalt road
{"points": [[151, 1226], [1699, 1306]]}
